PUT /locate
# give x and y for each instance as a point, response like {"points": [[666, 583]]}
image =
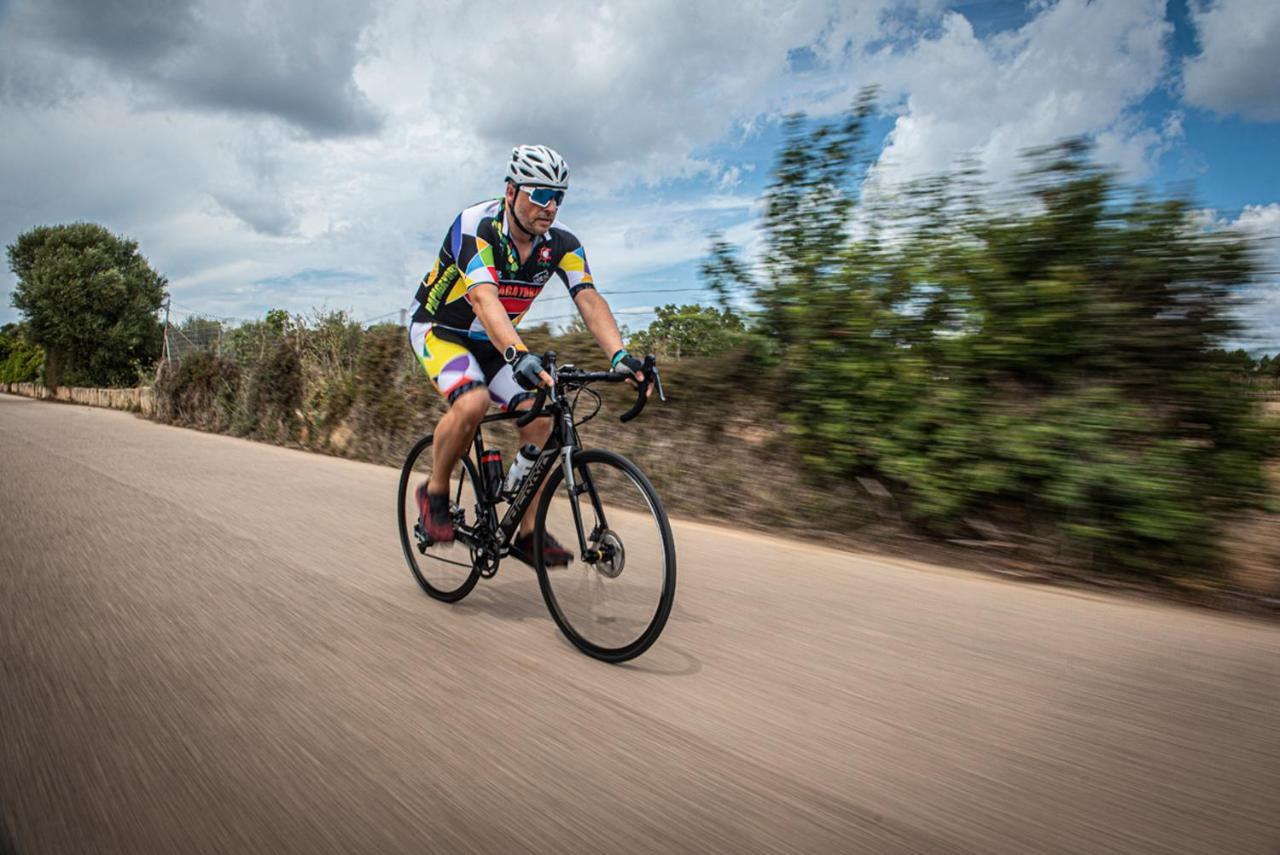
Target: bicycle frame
{"points": [[495, 537], [562, 443], [603, 551]]}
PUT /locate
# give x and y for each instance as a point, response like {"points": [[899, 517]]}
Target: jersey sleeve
{"points": [[474, 253], [573, 268]]}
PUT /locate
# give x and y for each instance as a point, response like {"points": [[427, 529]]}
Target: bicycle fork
{"points": [[590, 554]]}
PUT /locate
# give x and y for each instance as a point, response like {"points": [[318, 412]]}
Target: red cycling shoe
{"points": [[433, 514], [553, 553]]}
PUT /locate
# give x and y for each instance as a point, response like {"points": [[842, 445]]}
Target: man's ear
{"points": [[510, 193]]}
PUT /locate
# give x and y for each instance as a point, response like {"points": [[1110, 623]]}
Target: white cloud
{"points": [[630, 91], [292, 60], [1074, 68], [140, 121], [1260, 311], [1237, 70], [244, 144], [1261, 223]]}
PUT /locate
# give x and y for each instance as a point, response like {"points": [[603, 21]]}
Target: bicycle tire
{"points": [[406, 511], [648, 536]]}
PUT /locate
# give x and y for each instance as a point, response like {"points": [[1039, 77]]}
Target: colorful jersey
{"points": [[477, 250]]}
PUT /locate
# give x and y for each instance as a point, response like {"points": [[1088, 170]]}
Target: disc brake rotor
{"points": [[612, 555]]}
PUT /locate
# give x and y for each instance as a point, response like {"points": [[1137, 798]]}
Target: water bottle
{"points": [[491, 464], [520, 467]]}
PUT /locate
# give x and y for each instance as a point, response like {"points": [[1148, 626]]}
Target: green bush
{"points": [[21, 360], [383, 413], [202, 392], [1047, 359], [275, 394]]}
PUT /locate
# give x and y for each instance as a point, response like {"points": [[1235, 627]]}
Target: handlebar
{"points": [[649, 369], [650, 372], [548, 365], [535, 410]]}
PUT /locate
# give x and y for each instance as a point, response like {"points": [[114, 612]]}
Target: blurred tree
{"points": [[21, 360], [1047, 356], [693, 330], [90, 300]]}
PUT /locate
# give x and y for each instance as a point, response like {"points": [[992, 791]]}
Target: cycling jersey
{"points": [[478, 250]]}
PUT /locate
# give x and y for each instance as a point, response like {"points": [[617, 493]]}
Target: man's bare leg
{"points": [[453, 435]]}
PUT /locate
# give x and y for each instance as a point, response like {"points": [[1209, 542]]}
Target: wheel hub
{"points": [[612, 555]]}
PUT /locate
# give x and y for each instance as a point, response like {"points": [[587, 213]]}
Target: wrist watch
{"points": [[511, 353]]}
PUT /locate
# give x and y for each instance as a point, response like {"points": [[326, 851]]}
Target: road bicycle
{"points": [[613, 598]]}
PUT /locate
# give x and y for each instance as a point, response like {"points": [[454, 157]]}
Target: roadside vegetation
{"points": [[21, 359], [1037, 373]]}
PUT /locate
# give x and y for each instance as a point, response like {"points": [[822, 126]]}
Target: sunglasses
{"points": [[544, 196]]}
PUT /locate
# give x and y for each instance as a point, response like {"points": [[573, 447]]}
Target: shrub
{"points": [[21, 360], [275, 394], [202, 392], [1050, 359]]}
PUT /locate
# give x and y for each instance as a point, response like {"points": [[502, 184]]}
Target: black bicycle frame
{"points": [[556, 449]]}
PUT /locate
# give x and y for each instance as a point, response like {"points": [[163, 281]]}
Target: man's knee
{"points": [[471, 405]]}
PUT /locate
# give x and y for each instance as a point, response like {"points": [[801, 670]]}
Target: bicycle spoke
{"points": [[445, 571], [613, 601]]}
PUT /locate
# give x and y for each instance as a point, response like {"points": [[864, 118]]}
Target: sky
{"points": [[310, 154]]}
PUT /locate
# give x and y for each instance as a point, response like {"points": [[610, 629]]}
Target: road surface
{"points": [[212, 645]]}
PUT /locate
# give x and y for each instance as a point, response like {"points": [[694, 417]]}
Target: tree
{"points": [[90, 299], [1051, 356], [20, 359], [689, 330]]}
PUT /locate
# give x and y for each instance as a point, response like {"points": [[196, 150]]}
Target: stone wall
{"points": [[139, 400]]}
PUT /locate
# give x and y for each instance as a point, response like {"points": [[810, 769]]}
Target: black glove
{"points": [[625, 363], [526, 368]]}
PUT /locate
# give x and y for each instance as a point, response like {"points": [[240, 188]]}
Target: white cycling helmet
{"points": [[537, 164]]}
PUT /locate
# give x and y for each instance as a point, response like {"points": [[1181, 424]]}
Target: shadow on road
{"points": [[666, 660], [516, 599], [7, 844]]}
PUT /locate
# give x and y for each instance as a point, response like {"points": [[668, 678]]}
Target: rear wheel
{"points": [[449, 571], [612, 602]]}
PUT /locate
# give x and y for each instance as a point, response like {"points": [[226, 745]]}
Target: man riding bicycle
{"points": [[495, 260]]}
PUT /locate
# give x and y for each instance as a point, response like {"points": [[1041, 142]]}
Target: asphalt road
{"points": [[211, 645]]}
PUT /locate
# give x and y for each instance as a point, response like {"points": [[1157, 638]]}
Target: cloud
{"points": [[1074, 68], [293, 60], [245, 142], [1261, 223], [630, 92], [1236, 70], [1260, 299], [266, 215]]}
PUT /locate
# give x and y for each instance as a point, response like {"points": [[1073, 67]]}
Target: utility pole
{"points": [[168, 353]]}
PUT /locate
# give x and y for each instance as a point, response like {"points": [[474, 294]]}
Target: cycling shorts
{"points": [[457, 363]]}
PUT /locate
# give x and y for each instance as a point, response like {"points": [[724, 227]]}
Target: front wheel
{"points": [[613, 601]]}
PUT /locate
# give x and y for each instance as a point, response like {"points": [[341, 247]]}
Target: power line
{"points": [[545, 300]]}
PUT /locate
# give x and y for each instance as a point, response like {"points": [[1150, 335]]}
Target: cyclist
{"points": [[495, 260]]}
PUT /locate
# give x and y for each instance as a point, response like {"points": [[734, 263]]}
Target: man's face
{"points": [[533, 216]]}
